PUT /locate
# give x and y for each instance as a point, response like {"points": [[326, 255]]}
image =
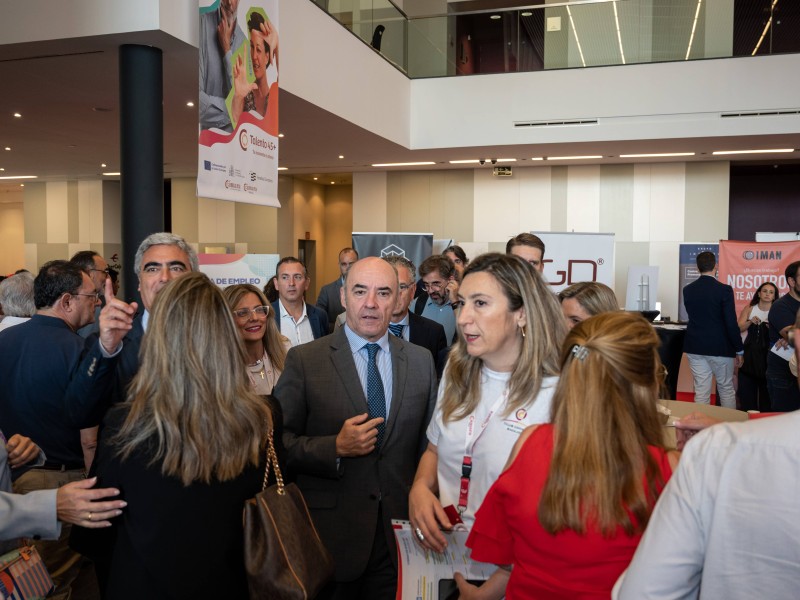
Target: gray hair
{"points": [[402, 261], [16, 295], [164, 238]]}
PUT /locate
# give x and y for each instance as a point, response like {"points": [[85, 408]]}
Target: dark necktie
{"points": [[376, 399], [397, 329]]}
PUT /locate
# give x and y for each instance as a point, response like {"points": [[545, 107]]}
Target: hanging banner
{"points": [[416, 247], [746, 265], [238, 108], [232, 269], [687, 270], [573, 257]]}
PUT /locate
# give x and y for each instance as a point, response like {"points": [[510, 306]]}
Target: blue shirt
{"points": [[383, 360]]}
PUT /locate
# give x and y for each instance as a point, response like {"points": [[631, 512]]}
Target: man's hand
{"points": [[78, 504], [358, 436], [451, 289], [116, 319], [739, 360], [224, 34], [688, 426], [21, 450]]}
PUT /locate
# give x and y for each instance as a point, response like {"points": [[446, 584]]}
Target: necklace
{"points": [[258, 367]]}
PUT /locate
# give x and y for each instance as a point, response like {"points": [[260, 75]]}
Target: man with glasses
{"points": [[438, 275], [97, 269], [46, 391], [408, 326], [298, 321]]}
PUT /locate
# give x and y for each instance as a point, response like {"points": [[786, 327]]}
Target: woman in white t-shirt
{"points": [[499, 379]]}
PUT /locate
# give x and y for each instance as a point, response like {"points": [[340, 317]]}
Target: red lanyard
{"points": [[469, 444]]}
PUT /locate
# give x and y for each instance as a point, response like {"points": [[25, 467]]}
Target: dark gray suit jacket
{"points": [[318, 390], [330, 301]]}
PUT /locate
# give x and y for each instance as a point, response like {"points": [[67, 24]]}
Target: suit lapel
{"points": [[399, 375], [342, 357]]}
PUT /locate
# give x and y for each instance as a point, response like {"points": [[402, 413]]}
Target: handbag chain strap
{"points": [[272, 458]]}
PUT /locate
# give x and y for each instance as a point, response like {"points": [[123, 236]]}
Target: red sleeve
{"points": [[490, 538]]}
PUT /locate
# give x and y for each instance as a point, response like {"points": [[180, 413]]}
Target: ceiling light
{"points": [[333, 183], [20, 177], [619, 35], [315, 178], [495, 17], [190, 104], [17, 115], [537, 158], [404, 164], [102, 165], [111, 174], [280, 135], [575, 33], [656, 155], [527, 13], [283, 168], [8, 147], [341, 156], [575, 157], [694, 26], [2, 169], [505, 160], [753, 151], [766, 29], [21, 185], [471, 161]]}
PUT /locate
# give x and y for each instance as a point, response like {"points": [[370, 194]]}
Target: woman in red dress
{"points": [[569, 510]]}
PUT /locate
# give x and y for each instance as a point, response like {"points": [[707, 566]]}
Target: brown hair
{"points": [[524, 287], [191, 400], [593, 296], [273, 340], [604, 418], [525, 239]]}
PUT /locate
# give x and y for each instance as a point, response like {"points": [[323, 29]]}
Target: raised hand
{"points": [[116, 319]]}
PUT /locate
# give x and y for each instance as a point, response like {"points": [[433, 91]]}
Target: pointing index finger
{"points": [[109, 289]]}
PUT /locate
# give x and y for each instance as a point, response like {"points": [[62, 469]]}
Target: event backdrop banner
{"points": [[746, 265], [416, 247], [573, 257], [231, 269], [687, 270], [238, 110]]}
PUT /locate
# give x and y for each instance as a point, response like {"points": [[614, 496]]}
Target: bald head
{"points": [[369, 295]]}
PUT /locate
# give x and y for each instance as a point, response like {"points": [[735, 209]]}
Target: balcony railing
{"points": [[563, 35]]}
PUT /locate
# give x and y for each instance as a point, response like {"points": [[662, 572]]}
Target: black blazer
{"points": [[317, 319], [428, 334], [329, 301], [712, 329]]}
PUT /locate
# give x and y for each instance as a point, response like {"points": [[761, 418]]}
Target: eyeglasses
{"points": [[95, 295], [244, 313], [433, 285]]}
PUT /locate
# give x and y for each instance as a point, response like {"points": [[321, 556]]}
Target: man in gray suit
{"points": [[353, 463], [329, 298]]}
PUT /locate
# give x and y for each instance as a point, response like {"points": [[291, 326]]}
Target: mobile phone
{"points": [[448, 590]]}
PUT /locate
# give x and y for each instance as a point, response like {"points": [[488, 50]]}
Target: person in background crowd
{"points": [[356, 405], [113, 274], [713, 344], [297, 320], [783, 393], [438, 275], [187, 448], [585, 299], [571, 506], [97, 269], [724, 526], [414, 328], [752, 377], [270, 292], [45, 375], [459, 258], [329, 296], [528, 247], [265, 346], [16, 298], [499, 379]]}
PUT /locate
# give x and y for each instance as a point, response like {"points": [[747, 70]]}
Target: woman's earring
{"points": [[522, 329]]}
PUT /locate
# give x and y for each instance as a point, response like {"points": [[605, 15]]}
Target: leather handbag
{"points": [[284, 556], [23, 575]]}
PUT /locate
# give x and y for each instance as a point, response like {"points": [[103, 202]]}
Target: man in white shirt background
{"points": [[298, 321]]}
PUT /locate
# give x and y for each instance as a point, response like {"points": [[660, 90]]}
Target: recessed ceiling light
{"points": [[506, 160], [333, 183], [495, 17], [280, 135], [103, 165], [341, 156], [470, 161], [8, 147], [111, 174], [592, 157], [537, 158], [2, 169], [404, 164], [17, 115], [190, 104], [657, 155], [315, 178], [527, 13], [20, 177], [746, 151], [21, 185], [283, 168]]}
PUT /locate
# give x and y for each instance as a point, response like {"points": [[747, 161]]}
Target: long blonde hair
{"points": [[190, 403], [524, 288], [273, 340], [604, 418]]}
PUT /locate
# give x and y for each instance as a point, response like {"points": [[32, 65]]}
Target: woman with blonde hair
{"points": [[499, 379], [585, 299], [266, 348], [570, 509], [187, 450]]}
